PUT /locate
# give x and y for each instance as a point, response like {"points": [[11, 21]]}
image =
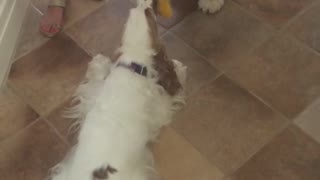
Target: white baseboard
{"points": [[12, 13]]}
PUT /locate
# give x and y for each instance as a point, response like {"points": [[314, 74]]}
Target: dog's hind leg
{"points": [[85, 96], [99, 68]]}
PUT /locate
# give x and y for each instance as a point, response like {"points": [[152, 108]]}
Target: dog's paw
{"points": [[99, 67], [210, 6], [100, 60], [181, 71]]}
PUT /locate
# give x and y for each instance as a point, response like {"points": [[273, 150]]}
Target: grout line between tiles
{"points": [[243, 9], [210, 81], [197, 150], [306, 133], [298, 15], [35, 8], [78, 19], [299, 42], [223, 72], [305, 45], [21, 130], [61, 137], [219, 73], [31, 50], [258, 45], [267, 143], [182, 21], [78, 44], [187, 139], [65, 30], [307, 107], [13, 88], [260, 99], [275, 31], [285, 127], [194, 50]]}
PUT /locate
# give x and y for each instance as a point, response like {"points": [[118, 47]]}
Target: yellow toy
{"points": [[164, 8]]}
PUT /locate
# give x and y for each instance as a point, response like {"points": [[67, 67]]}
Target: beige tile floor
{"points": [[253, 109]]}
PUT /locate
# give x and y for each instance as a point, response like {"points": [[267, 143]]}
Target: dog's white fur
{"points": [[120, 111], [210, 6]]}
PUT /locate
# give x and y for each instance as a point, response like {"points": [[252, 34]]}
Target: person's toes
{"points": [[44, 28], [44, 25], [49, 29], [51, 22], [54, 29]]}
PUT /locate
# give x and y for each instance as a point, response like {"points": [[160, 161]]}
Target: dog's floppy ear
{"points": [[168, 78], [153, 30]]}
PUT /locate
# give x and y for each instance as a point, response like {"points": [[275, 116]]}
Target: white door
{"points": [[12, 14]]}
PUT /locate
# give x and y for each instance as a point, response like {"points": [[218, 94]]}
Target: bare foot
{"points": [[51, 21]]}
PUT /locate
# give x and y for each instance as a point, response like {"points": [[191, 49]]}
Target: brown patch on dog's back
{"points": [[168, 78], [102, 173]]}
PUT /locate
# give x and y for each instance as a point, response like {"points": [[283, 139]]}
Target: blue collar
{"points": [[134, 67]]}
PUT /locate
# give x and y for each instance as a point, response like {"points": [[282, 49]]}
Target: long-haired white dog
{"points": [[123, 105]]}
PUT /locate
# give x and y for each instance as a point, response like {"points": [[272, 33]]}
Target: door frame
{"points": [[12, 13]]}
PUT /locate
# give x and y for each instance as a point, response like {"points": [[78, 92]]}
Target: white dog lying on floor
{"points": [[123, 105]]}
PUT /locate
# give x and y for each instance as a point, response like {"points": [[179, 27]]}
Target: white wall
{"points": [[12, 13]]}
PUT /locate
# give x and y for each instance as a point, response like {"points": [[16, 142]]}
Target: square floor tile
{"points": [[14, 114], [222, 36], [275, 12], [49, 76], [227, 124], [309, 120], [30, 154], [176, 159], [75, 10], [290, 156], [101, 32], [307, 27], [199, 72], [181, 9], [282, 72], [30, 37]]}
